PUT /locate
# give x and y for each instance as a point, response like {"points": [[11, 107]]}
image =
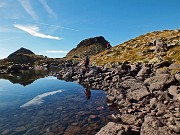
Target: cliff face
{"points": [[90, 46], [22, 56]]}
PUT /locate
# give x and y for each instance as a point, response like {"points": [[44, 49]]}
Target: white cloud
{"points": [[28, 8], [47, 8], [39, 99], [53, 51], [34, 31]]}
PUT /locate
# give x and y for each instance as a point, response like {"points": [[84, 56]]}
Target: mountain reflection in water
{"points": [[62, 107], [24, 77]]}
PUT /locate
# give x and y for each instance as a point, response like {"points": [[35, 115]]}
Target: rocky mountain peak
{"points": [[94, 40], [21, 56], [90, 46], [22, 51]]}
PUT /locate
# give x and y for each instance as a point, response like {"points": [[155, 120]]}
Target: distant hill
{"points": [[22, 56], [90, 46], [143, 49]]}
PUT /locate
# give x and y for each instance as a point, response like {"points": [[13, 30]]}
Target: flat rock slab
{"points": [[115, 129], [159, 81], [135, 90], [175, 92]]}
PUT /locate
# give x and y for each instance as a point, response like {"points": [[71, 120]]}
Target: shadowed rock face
{"points": [[21, 56], [90, 46]]}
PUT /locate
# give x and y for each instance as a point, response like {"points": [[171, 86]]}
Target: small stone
{"points": [[153, 102], [20, 129], [138, 122], [5, 132], [100, 108], [177, 115], [93, 116], [175, 128], [160, 112]]}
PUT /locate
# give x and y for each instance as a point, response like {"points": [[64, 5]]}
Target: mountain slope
{"points": [[90, 46], [143, 49]]}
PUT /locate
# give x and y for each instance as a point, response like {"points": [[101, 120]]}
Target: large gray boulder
{"points": [[159, 81], [175, 92], [135, 90], [115, 129], [144, 71], [177, 76], [160, 46]]}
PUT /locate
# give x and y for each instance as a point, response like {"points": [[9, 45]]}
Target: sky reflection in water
{"points": [[51, 100]]}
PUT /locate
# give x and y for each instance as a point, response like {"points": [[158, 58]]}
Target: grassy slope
{"points": [[136, 50]]}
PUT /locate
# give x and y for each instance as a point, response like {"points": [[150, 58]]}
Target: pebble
{"points": [[5, 132], [100, 108], [175, 128]]}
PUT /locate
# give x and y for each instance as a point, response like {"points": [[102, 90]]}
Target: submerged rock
{"points": [[72, 130]]}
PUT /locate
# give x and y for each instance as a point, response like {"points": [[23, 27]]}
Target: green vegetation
{"points": [[139, 49]]}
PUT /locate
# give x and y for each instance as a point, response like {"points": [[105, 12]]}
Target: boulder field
{"points": [[147, 98]]}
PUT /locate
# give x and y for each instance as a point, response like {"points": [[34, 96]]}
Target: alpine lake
{"points": [[37, 103]]}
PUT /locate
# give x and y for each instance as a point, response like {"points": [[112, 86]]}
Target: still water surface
{"points": [[49, 106]]}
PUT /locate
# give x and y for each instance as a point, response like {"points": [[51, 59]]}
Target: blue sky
{"points": [[54, 27]]}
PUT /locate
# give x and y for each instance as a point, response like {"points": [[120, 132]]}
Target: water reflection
{"points": [[24, 77], [87, 91], [50, 106], [45, 109]]}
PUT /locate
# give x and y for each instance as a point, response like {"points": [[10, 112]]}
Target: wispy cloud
{"points": [[28, 8], [55, 51], [47, 8], [34, 31]]}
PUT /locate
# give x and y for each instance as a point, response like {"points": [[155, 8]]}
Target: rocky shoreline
{"points": [[147, 97]]}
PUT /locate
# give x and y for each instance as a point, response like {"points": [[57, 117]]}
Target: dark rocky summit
{"points": [[21, 56], [90, 46]]}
